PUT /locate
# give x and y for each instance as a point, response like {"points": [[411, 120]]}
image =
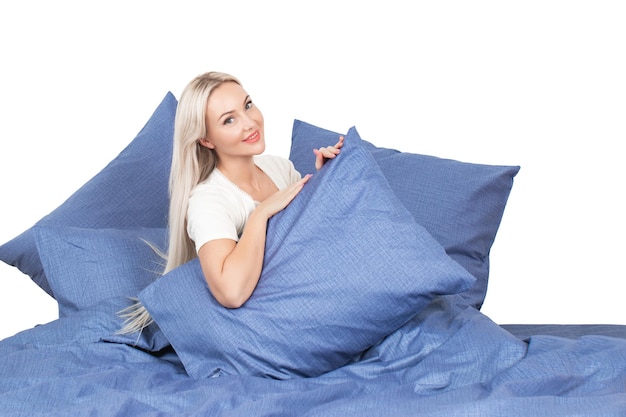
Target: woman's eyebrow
{"points": [[245, 100], [225, 114]]}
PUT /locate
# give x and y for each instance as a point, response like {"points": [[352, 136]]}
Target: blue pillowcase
{"points": [[96, 323], [91, 268], [345, 265], [131, 191], [85, 266], [461, 204]]}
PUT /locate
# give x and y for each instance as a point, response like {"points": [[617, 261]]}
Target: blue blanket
{"points": [[450, 360]]}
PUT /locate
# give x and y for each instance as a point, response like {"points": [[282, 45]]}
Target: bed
{"points": [[368, 304]]}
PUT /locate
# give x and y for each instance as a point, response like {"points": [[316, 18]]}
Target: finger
{"points": [[329, 152], [296, 186], [306, 178], [290, 193], [319, 160]]}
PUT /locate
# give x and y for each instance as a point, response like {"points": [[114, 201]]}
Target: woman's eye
{"points": [[229, 120], [249, 105]]}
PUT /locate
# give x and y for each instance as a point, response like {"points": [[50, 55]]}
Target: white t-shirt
{"points": [[219, 209]]}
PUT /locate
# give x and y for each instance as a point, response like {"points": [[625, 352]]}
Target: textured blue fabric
{"points": [[450, 360], [345, 265], [421, 339], [572, 331], [85, 266], [131, 191], [96, 323], [461, 204]]}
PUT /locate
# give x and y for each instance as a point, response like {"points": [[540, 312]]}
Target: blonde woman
{"points": [[222, 190]]}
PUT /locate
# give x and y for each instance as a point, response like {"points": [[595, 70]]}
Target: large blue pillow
{"points": [[85, 266], [461, 204], [345, 265], [90, 267], [131, 191]]}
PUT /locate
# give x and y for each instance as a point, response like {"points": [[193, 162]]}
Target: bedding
{"points": [[450, 360], [394, 335], [461, 204], [345, 265], [84, 266], [130, 192]]}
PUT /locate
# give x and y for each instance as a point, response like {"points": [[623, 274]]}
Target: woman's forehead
{"points": [[227, 95]]}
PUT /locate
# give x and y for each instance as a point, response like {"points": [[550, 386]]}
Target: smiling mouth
{"points": [[253, 137]]}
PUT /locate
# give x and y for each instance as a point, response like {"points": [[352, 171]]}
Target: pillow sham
{"points": [[84, 266], [131, 191], [345, 265], [95, 323], [461, 204]]}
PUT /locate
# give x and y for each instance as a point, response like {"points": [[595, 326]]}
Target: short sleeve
{"points": [[216, 211]]}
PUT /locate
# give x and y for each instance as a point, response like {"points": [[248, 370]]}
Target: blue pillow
{"points": [[461, 204], [96, 323], [85, 266], [345, 265], [131, 191]]}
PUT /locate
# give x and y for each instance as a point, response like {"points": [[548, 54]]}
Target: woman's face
{"points": [[234, 123]]}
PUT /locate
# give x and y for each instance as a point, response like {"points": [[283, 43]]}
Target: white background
{"points": [[539, 84]]}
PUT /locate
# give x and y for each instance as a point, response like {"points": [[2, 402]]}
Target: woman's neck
{"points": [[241, 171], [249, 178]]}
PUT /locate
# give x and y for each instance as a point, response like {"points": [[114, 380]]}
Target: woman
{"points": [[222, 190]]}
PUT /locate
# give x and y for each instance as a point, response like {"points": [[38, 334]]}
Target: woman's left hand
{"points": [[329, 152]]}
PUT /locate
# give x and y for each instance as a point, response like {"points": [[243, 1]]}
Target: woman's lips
{"points": [[253, 137]]}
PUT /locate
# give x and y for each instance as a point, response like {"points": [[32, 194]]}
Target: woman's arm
{"points": [[232, 269]]}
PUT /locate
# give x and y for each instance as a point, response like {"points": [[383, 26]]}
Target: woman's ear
{"points": [[206, 143]]}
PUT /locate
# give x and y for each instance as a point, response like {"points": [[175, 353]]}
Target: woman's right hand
{"points": [[281, 199]]}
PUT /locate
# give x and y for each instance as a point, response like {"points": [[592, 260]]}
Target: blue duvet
{"points": [[450, 360]]}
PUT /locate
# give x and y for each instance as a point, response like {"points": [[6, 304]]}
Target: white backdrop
{"points": [[536, 83]]}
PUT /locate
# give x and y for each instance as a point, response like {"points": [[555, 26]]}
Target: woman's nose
{"points": [[249, 123]]}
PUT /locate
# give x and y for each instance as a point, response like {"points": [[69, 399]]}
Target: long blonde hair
{"points": [[192, 163]]}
